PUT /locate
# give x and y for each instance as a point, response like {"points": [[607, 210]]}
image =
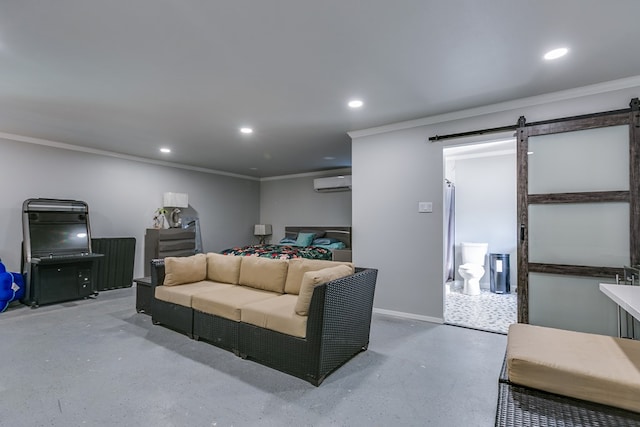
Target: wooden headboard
{"points": [[342, 233]]}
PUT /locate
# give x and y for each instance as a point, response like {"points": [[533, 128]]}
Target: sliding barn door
{"points": [[578, 207]]}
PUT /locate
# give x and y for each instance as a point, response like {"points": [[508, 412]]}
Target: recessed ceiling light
{"points": [[246, 130], [556, 53], [355, 103], [165, 150], [253, 169], [329, 158]]}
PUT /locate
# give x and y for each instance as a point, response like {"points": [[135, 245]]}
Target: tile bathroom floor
{"points": [[487, 311]]}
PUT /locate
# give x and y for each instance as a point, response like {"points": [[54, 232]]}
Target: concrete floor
{"points": [[97, 362]]}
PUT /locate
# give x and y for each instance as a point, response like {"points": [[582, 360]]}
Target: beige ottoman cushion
{"points": [[311, 279], [228, 302], [263, 273], [181, 270], [277, 314], [591, 367], [182, 294], [299, 266], [223, 268]]}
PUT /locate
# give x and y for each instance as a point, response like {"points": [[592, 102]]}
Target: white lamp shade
{"points": [[176, 200], [262, 230]]}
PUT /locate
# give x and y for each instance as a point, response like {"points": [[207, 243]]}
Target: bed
{"points": [[313, 242]]}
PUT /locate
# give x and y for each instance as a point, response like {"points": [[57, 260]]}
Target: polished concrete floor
{"points": [[97, 362]]}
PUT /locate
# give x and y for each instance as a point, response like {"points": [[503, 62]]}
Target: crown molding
{"points": [[308, 174], [547, 98], [71, 147]]}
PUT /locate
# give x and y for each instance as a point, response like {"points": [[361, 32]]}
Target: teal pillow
{"points": [[305, 239], [325, 241], [338, 245]]}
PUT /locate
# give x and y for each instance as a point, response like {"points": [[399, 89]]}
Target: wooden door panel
{"points": [[578, 206]]}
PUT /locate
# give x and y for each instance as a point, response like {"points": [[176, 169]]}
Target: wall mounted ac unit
{"points": [[332, 183]]}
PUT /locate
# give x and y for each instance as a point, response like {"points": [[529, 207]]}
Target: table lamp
{"points": [[262, 231], [175, 201]]}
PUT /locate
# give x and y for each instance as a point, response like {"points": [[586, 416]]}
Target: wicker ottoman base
{"points": [[522, 407]]}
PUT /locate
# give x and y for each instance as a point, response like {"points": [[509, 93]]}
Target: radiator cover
{"points": [[115, 270]]}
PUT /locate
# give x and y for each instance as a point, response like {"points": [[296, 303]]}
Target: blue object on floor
{"points": [[11, 287]]}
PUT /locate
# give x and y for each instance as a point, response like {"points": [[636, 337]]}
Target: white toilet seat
{"points": [[471, 273], [471, 268]]}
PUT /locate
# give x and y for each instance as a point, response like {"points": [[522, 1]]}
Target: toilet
{"points": [[472, 268]]}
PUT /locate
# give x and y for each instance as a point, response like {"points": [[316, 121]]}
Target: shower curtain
{"points": [[450, 227]]}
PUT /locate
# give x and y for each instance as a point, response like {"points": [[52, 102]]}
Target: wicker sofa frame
{"points": [[338, 327], [520, 406]]}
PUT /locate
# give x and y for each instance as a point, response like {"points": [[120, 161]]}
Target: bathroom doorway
{"points": [[480, 207]]}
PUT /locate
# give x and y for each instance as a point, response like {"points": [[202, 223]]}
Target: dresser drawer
{"points": [[176, 245], [343, 255]]}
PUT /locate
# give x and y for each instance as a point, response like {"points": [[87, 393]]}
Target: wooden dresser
{"points": [[161, 242]]}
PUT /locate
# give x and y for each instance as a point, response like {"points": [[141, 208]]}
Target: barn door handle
{"points": [[522, 232]]}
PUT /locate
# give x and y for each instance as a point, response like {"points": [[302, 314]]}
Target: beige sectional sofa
{"points": [[301, 316]]}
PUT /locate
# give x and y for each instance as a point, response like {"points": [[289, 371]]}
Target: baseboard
{"points": [[411, 316]]}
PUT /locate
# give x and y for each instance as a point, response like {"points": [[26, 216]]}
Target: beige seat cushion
{"points": [[181, 270], [263, 273], [299, 266], [182, 294], [277, 314], [228, 302], [223, 268], [591, 367], [311, 279]]}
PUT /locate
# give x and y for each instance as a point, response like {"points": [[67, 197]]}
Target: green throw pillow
{"points": [[305, 239]]}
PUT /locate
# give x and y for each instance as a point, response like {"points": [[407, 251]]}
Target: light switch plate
{"points": [[425, 207]]}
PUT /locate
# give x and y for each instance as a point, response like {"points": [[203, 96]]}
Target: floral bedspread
{"points": [[280, 251]]}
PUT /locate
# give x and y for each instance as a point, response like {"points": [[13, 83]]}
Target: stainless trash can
{"points": [[499, 273]]}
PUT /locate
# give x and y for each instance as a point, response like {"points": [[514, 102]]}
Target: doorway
{"points": [[481, 181]]}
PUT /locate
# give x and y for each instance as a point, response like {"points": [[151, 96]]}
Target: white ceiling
{"points": [[132, 76]]}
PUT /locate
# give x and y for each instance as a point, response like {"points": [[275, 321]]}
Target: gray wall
{"points": [[292, 201], [122, 196], [486, 207], [396, 166]]}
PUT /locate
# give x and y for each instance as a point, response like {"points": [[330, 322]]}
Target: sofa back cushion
{"points": [[223, 268], [181, 270], [299, 266], [311, 279], [263, 273]]}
